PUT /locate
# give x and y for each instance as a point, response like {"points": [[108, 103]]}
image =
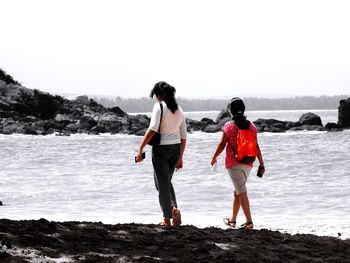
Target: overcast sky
{"points": [[203, 48]]}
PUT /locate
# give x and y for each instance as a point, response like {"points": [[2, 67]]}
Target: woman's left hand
{"points": [[213, 161], [179, 164]]}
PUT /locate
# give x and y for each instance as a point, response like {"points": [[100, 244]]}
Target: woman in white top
{"points": [[168, 154]]}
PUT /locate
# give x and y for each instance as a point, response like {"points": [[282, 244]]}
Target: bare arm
{"points": [[183, 146], [260, 158], [261, 161], [219, 149], [146, 138]]}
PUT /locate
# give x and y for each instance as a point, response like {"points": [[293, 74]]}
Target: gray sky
{"points": [[203, 48]]}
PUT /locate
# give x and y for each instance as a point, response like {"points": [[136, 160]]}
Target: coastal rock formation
{"points": [[47, 241], [343, 117], [34, 112], [308, 121], [344, 113]]}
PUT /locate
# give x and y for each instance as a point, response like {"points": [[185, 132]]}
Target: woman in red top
{"points": [[237, 170]]}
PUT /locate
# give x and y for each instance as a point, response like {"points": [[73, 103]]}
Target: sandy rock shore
{"points": [[45, 241]]}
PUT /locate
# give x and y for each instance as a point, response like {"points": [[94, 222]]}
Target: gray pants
{"points": [[165, 159]]}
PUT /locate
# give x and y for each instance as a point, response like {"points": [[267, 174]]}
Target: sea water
{"points": [[94, 178]]}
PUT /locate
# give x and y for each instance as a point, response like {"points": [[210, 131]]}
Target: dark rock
{"points": [[333, 127], [77, 114], [118, 111], [212, 128], [271, 125], [310, 119], [141, 132], [142, 120], [51, 131], [5, 106], [291, 124], [83, 99], [95, 107], [114, 123], [207, 121], [224, 114], [47, 105], [223, 117], [31, 131], [73, 127], [87, 122], [93, 103], [62, 118], [312, 127], [6, 242], [56, 125], [1, 204], [42, 124], [6, 78], [193, 125], [344, 113], [98, 129], [296, 128], [222, 122], [26, 102], [14, 128]]}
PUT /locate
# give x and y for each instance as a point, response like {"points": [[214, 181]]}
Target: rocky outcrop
{"points": [[34, 112], [308, 121], [343, 117], [344, 113]]}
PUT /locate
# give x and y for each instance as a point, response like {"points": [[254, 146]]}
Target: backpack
{"points": [[246, 146]]}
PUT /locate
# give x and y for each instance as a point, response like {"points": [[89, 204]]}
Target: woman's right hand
{"points": [[180, 164]]}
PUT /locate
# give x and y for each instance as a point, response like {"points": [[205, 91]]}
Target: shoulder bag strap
{"points": [[161, 115]]}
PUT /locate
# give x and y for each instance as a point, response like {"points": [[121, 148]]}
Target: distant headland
{"points": [[28, 111]]}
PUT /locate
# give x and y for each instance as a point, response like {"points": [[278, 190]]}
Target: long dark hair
{"points": [[236, 108], [167, 93]]}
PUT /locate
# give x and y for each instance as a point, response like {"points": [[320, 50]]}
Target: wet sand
{"points": [[45, 241]]}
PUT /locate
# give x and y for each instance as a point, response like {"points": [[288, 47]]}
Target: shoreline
{"points": [[50, 241]]}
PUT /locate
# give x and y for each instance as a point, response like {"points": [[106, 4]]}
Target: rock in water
{"points": [[224, 114], [344, 113], [310, 119]]}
